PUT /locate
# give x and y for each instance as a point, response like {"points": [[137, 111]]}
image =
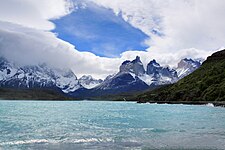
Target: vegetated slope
{"points": [[205, 84], [31, 94]]}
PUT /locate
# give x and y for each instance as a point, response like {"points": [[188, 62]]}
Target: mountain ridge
{"points": [[132, 77], [205, 84]]}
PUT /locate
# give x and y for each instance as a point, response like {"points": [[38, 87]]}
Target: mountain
{"points": [[157, 75], [131, 78], [89, 82], [37, 76], [125, 81], [135, 67], [154, 75], [186, 67], [205, 84]]}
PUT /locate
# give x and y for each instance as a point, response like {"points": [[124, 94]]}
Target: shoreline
{"points": [[216, 104]]}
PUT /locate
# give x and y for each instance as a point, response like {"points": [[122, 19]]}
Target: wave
{"points": [[92, 140], [36, 141], [210, 105], [43, 141]]}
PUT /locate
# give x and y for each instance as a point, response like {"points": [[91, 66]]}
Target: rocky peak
{"points": [[153, 67], [187, 66], [161, 74], [137, 59], [153, 62], [135, 66], [86, 77], [89, 82], [187, 63]]}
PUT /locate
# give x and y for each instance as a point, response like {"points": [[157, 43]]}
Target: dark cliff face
{"points": [[220, 55], [205, 84], [153, 67]]}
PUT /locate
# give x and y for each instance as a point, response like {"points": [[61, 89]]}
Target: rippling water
{"points": [[109, 125]]}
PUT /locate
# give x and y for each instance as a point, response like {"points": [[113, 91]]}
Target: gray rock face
{"points": [[153, 67], [134, 66], [186, 67], [160, 75], [132, 76], [89, 82]]}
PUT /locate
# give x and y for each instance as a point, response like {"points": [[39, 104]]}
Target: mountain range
{"points": [[205, 85], [132, 77]]}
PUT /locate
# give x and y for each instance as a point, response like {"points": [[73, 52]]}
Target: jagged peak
{"points": [[154, 62], [126, 62], [189, 60], [137, 59], [135, 66], [86, 77]]}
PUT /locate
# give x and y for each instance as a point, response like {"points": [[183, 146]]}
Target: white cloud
{"points": [[25, 39], [30, 46], [186, 25], [34, 13]]}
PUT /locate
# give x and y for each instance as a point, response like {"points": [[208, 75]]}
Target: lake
{"points": [[109, 125]]}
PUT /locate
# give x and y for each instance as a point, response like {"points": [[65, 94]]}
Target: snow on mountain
{"points": [[132, 71], [40, 76], [134, 66], [186, 67], [67, 81], [121, 82], [159, 75], [89, 82], [132, 76]]}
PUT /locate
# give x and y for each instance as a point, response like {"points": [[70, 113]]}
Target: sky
{"points": [[98, 30], [95, 36]]}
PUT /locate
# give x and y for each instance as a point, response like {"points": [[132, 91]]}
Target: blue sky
{"points": [[100, 31]]}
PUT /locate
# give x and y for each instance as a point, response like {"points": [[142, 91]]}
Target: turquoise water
{"points": [[109, 125]]}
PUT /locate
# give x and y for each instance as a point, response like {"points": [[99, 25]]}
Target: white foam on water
{"points": [[92, 140], [210, 105], [35, 141]]}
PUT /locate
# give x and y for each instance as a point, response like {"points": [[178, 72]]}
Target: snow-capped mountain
{"points": [[186, 67], [39, 76], [136, 67], [158, 75], [126, 80], [89, 82], [133, 77]]}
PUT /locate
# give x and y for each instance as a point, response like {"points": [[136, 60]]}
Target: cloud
{"points": [[175, 26], [177, 29], [34, 13], [27, 46]]}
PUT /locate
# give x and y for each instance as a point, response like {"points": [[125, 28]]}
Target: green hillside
{"points": [[205, 84]]}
